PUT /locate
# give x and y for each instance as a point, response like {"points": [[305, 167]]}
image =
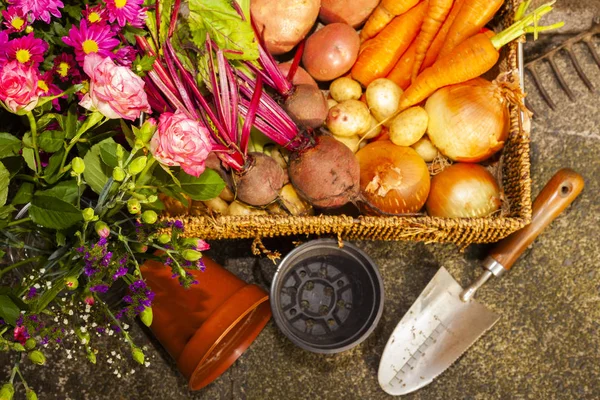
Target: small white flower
{"points": [[116, 372], [84, 340], [94, 324], [23, 312], [69, 357], [55, 319], [37, 286], [112, 353], [42, 270], [132, 371], [48, 284], [110, 361], [66, 321], [118, 356], [70, 312], [31, 277], [83, 329], [119, 375], [125, 326], [85, 317], [147, 364], [71, 331]]}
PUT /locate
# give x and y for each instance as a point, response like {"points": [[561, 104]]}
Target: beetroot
{"points": [[327, 175], [259, 184], [307, 106]]}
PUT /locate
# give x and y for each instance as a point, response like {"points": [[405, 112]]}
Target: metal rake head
{"points": [[567, 47]]}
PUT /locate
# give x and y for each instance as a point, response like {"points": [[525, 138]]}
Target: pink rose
{"points": [[114, 91], [18, 86], [181, 141]]}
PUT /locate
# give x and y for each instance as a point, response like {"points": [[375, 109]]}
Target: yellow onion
{"points": [[469, 122], [463, 190], [393, 179]]}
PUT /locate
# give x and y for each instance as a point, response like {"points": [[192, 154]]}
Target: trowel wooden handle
{"points": [[559, 192]]}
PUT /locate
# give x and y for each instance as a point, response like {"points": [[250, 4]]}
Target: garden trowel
{"points": [[445, 320]]}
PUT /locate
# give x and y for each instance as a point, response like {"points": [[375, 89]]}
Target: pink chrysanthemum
{"points": [[125, 56], [3, 41], [26, 50], [65, 67], [15, 19], [95, 15], [39, 9], [95, 39], [124, 11], [46, 87]]}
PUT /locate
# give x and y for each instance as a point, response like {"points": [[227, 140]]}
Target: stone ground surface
{"points": [[545, 346]]}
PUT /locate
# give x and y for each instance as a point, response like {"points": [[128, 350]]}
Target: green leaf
{"points": [[4, 180], [6, 212], [53, 213], [142, 65], [166, 8], [24, 194], [51, 141], [108, 154], [90, 121], [66, 191], [51, 172], [71, 122], [61, 239], [96, 173], [13, 165], [29, 157], [45, 120], [8, 310], [174, 194], [207, 186], [222, 22], [9, 145], [73, 11]]}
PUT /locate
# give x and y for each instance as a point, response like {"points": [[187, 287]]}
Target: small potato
{"points": [[350, 141], [348, 118], [227, 194], [217, 204], [345, 89], [352, 12], [373, 131], [331, 103], [425, 149], [409, 126], [237, 208], [383, 98]]}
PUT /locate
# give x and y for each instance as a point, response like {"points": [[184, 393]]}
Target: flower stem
{"points": [[17, 222], [19, 264], [22, 378], [33, 128]]}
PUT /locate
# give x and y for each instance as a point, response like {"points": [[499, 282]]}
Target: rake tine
{"points": [[560, 78], [530, 107], [578, 68], [590, 46], [542, 89]]}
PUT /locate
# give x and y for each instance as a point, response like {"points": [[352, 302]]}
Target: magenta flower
{"points": [[95, 15], [39, 9], [26, 50], [46, 87], [125, 56], [15, 19], [3, 41], [124, 11], [65, 67], [95, 39], [20, 334]]}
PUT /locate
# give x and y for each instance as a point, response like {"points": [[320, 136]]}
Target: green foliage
{"points": [[52, 212], [9, 145], [207, 186]]}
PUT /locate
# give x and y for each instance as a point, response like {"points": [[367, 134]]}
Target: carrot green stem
{"points": [[523, 24]]}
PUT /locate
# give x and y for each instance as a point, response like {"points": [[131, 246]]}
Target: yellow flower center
{"points": [[94, 17], [120, 3], [17, 23], [90, 46], [23, 55], [63, 69], [42, 85]]}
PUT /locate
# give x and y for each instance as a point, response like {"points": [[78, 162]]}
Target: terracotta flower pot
{"points": [[207, 327]]}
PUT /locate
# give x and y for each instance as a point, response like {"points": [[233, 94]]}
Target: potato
{"points": [[348, 118], [283, 23], [330, 52], [345, 89], [425, 149], [409, 126], [373, 130], [350, 141], [237, 208], [351, 12], [217, 205], [383, 98], [331, 103], [301, 77]]}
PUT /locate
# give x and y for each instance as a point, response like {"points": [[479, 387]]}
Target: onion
{"points": [[393, 179], [463, 190], [469, 122]]}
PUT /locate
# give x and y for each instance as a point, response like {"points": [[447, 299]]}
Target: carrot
{"points": [[383, 15], [437, 10], [383, 51], [402, 70], [440, 38], [473, 16], [473, 57]]}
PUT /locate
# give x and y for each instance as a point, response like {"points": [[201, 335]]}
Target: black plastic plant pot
{"points": [[327, 299]]}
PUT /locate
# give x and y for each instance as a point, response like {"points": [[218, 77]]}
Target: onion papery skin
{"points": [[394, 179], [463, 190], [468, 122]]}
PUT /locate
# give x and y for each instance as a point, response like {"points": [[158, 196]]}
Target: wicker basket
{"points": [[515, 179]]}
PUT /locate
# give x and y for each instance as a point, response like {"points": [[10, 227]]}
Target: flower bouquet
{"points": [[82, 178]]}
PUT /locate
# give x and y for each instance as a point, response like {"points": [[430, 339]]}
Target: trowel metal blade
{"points": [[435, 332]]}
